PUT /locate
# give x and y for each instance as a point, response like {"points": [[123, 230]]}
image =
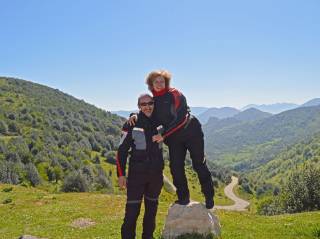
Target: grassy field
{"points": [[44, 214]]}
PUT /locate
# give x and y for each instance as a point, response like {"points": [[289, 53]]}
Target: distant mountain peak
{"points": [[252, 114], [272, 108], [313, 102], [220, 113]]}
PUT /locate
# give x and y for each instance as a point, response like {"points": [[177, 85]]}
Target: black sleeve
{"points": [[179, 110], [123, 149]]}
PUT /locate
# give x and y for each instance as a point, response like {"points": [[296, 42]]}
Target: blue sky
{"points": [[221, 53]]}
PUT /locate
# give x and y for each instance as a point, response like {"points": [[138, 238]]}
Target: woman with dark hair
{"points": [[182, 132]]}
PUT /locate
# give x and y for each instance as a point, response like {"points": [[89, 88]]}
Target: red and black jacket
{"points": [[171, 110], [144, 154]]}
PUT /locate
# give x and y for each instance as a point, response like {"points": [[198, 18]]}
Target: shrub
{"points": [[32, 174], [7, 201], [75, 182], [271, 206], [302, 192], [10, 172], [13, 127], [111, 157], [102, 180], [6, 190]]}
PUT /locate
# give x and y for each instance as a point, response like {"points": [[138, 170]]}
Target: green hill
{"points": [[278, 170], [246, 146], [47, 136]]}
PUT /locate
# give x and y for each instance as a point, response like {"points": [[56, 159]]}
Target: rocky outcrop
{"points": [[192, 218]]}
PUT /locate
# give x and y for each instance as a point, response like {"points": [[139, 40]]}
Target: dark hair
{"points": [[143, 95]]}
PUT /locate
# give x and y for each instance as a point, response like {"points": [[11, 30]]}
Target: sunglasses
{"points": [[150, 103]]}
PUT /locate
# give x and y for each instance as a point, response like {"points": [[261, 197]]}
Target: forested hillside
{"points": [[49, 136], [248, 145], [278, 170]]}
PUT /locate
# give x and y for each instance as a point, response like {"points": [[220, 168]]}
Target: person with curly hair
{"points": [[182, 133]]}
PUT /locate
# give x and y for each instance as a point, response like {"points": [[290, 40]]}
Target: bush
{"points": [[32, 174], [11, 116], [246, 188], [87, 172], [102, 180], [10, 172], [12, 127], [111, 157], [96, 160], [271, 206], [7, 201], [6, 190], [302, 192], [75, 182]]}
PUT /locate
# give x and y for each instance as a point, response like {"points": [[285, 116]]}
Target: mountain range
{"points": [[245, 145], [205, 113]]}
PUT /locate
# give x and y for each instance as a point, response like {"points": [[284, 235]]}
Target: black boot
{"points": [[209, 202], [182, 201]]}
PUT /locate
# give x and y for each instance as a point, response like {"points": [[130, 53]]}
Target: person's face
{"points": [[146, 105], [158, 83]]}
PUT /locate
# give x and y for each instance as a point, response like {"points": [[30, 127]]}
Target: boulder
{"points": [[190, 219]]}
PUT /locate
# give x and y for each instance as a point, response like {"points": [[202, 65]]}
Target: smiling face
{"points": [[146, 105], [158, 83]]}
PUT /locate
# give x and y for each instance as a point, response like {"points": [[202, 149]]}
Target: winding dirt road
{"points": [[240, 204]]}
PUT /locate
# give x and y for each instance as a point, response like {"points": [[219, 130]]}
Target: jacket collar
{"points": [[141, 115], [161, 92]]}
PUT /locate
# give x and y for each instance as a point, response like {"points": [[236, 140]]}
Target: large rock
{"points": [[192, 218]]}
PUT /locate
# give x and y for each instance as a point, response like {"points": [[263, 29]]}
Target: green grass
{"points": [[43, 214], [247, 225]]}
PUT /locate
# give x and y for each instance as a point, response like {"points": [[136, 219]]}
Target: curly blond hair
{"points": [[166, 75]]}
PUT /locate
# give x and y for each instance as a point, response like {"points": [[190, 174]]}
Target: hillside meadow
{"points": [[44, 214]]}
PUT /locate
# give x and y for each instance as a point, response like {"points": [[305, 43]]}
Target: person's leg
{"points": [[177, 154], [135, 189], [151, 195], [195, 145]]}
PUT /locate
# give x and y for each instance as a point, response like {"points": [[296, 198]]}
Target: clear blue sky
{"points": [[221, 53]]}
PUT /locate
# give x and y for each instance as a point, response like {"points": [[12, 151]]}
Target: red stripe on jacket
{"points": [[118, 165], [179, 126]]}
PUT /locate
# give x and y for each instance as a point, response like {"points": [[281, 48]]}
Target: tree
{"points": [[58, 173]]}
